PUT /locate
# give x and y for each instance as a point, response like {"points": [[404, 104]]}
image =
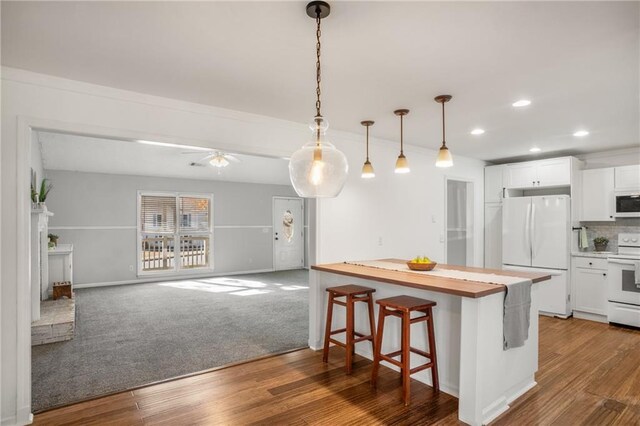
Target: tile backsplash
{"points": [[611, 230]]}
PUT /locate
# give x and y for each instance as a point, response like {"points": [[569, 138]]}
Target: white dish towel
{"points": [[637, 274], [583, 242]]}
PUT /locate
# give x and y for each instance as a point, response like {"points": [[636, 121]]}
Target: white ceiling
{"points": [[95, 155], [578, 62]]}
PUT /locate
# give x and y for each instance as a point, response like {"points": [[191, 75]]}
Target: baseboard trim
{"points": [[590, 317], [172, 278]]}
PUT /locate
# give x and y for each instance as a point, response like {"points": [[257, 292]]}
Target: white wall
{"points": [[88, 207], [406, 211]]}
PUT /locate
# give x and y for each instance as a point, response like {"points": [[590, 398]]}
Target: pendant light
{"points": [[402, 165], [367, 168], [444, 156], [318, 169]]}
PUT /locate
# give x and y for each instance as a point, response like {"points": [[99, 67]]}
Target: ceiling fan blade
{"points": [[192, 152], [207, 157]]}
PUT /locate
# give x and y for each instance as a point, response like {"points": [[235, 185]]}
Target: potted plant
{"points": [[600, 243], [45, 187], [53, 238]]}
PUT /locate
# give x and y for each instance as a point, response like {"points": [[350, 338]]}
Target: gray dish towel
{"points": [[517, 307]]}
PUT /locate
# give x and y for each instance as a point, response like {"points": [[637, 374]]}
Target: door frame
{"points": [[471, 201], [273, 229]]}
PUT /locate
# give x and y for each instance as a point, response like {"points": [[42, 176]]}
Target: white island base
{"points": [[471, 362]]}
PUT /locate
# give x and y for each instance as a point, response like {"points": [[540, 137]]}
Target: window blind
{"points": [[158, 214], [194, 214]]}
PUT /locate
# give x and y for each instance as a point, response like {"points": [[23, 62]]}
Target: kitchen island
{"points": [[468, 319]]}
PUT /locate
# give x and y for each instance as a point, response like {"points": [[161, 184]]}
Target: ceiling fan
{"points": [[217, 159]]}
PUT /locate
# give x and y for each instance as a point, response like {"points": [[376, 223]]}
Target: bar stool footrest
{"points": [[421, 367]]}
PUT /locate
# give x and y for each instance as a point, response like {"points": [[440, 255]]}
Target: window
{"points": [[166, 244]]}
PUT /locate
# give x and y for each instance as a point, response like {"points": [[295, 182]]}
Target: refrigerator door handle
{"points": [[532, 229], [527, 229]]}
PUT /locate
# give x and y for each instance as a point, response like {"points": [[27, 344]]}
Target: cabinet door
{"points": [[591, 290], [597, 195], [627, 177], [493, 236], [555, 172], [493, 184], [522, 175]]}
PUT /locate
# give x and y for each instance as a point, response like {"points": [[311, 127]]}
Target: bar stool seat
{"points": [[352, 294], [402, 307]]}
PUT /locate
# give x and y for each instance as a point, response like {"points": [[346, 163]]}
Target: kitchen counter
{"points": [[457, 287], [468, 320], [596, 254]]}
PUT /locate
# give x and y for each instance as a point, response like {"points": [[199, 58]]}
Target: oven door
{"points": [[628, 204], [621, 281]]}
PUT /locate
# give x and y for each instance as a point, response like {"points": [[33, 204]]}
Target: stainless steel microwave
{"points": [[627, 203]]}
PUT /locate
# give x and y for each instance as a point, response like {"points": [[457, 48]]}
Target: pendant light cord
{"points": [[318, 46], [367, 143], [443, 131], [401, 135]]}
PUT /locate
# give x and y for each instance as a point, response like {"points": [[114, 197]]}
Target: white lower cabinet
{"points": [[590, 289]]}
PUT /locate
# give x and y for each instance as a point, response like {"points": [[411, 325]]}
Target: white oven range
{"points": [[623, 292]]}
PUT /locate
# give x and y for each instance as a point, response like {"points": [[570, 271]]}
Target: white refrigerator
{"points": [[536, 238]]}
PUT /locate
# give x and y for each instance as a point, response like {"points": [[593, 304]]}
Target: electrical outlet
{"points": [[131, 268], [379, 241]]}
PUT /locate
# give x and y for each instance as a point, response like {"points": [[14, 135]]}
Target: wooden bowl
{"points": [[421, 266]]}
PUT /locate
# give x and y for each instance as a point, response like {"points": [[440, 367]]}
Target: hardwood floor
{"points": [[589, 375]]}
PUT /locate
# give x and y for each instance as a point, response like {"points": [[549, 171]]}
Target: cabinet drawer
{"points": [[590, 262]]}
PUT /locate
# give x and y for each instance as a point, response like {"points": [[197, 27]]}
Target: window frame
{"points": [[177, 269]]}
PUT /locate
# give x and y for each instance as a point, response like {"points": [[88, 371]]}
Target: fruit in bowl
{"points": [[421, 263]]}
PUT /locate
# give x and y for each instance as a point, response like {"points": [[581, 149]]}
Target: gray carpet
{"points": [[131, 335]]}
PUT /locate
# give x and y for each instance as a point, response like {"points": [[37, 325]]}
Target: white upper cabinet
{"points": [[539, 174], [597, 195], [627, 178], [521, 175], [554, 172], [493, 184]]}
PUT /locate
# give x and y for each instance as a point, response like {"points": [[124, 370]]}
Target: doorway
{"points": [[288, 233], [459, 222]]}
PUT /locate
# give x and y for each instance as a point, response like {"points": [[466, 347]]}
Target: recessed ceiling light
{"points": [[581, 133], [477, 131], [535, 149], [521, 103]]}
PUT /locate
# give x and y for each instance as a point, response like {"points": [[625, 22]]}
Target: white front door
{"points": [[288, 233]]}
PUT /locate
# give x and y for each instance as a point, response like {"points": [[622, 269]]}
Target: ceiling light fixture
{"points": [[367, 168], [444, 156], [581, 133], [219, 161], [477, 131], [402, 165], [318, 169], [535, 149], [521, 103]]}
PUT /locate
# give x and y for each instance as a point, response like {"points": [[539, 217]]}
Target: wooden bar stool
{"points": [[353, 294], [402, 307]]}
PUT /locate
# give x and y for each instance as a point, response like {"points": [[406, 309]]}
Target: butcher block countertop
{"points": [[453, 286]]}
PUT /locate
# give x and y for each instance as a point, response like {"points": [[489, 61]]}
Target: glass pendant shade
{"points": [[318, 169], [444, 157], [367, 170], [219, 161], [402, 165]]}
